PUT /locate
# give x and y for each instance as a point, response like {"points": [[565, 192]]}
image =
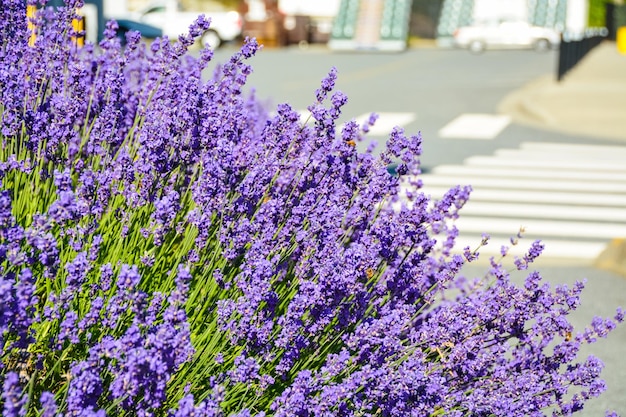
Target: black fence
{"points": [[573, 48], [615, 17]]}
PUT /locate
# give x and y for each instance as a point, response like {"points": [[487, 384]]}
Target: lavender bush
{"points": [[169, 247]]}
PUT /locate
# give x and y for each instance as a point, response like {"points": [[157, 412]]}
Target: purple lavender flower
{"points": [[164, 214], [85, 388], [197, 254], [68, 329], [6, 217], [24, 308], [14, 401], [48, 405], [128, 278], [246, 370], [77, 271]]}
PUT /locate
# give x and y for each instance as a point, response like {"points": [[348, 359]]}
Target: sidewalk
{"points": [[590, 100]]}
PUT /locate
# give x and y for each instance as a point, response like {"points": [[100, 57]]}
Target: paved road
{"points": [[423, 90], [602, 294], [451, 97], [571, 196], [522, 176]]}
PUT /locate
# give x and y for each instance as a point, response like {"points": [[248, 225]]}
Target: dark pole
{"points": [[609, 20]]}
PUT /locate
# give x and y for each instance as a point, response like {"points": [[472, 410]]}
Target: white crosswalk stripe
{"points": [[556, 163], [475, 126], [386, 122], [572, 197]]}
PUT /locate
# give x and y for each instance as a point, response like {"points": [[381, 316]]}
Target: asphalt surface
{"points": [[603, 293], [589, 101], [587, 105]]}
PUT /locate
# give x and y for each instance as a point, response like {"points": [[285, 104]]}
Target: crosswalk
{"points": [[475, 126], [570, 196]]}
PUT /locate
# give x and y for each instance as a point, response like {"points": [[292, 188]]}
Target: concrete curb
{"points": [[613, 257], [589, 101], [522, 106]]}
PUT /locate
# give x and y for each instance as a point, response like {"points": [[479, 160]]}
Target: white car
{"points": [[506, 35], [226, 25]]}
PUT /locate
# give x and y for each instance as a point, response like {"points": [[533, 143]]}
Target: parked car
{"points": [[155, 20], [505, 35]]}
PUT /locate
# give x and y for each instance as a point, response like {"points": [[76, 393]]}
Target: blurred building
{"points": [[263, 20], [386, 24], [285, 22], [371, 25], [558, 14], [308, 21], [376, 24]]}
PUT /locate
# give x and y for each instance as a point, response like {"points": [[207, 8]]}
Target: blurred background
{"points": [[524, 100], [491, 85], [374, 24]]}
